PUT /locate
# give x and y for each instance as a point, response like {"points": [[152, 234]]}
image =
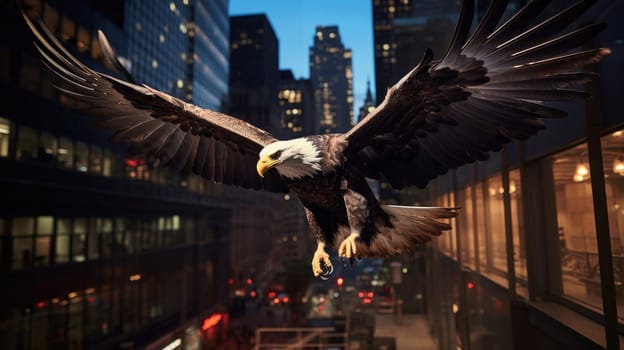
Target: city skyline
{"points": [[296, 32]]}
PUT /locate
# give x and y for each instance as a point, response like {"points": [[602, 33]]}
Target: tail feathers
{"points": [[412, 227]]}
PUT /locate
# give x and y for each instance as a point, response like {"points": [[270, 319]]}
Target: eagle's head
{"points": [[294, 158]]}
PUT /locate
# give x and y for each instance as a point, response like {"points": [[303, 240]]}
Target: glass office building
{"points": [[98, 249]]}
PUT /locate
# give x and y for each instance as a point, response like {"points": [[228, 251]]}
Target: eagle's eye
{"points": [[276, 155]]}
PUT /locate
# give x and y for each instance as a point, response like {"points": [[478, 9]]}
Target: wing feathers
{"points": [[158, 126], [486, 91]]}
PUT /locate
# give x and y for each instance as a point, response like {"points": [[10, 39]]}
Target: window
{"points": [[26, 143], [81, 156], [106, 233], [576, 228], [5, 132], [47, 149], [495, 223], [43, 240], [95, 160], [517, 227], [78, 240], [65, 152], [107, 163], [84, 39], [22, 229], [613, 160], [93, 238], [465, 223], [68, 29], [51, 17], [63, 234]]}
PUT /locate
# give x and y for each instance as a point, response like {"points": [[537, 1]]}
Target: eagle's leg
{"points": [[321, 264], [320, 259], [357, 213]]}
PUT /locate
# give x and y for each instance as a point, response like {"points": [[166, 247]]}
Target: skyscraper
{"points": [[332, 80], [403, 29], [181, 47], [254, 72], [369, 103], [296, 105], [100, 250]]}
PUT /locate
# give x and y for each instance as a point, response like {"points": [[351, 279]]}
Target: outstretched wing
{"points": [[485, 91], [160, 127]]}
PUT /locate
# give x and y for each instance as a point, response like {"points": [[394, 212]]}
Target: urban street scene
{"points": [[292, 174]]}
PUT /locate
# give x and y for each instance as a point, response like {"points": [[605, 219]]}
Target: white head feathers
{"points": [[299, 157]]}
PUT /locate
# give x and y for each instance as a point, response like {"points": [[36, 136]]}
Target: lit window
{"points": [[78, 240], [81, 156], [43, 240], [493, 239], [47, 149], [63, 232], [84, 39], [465, 224], [172, 7], [95, 160], [22, 231], [161, 38], [576, 227], [154, 64], [613, 160], [519, 250], [5, 132], [65, 152]]}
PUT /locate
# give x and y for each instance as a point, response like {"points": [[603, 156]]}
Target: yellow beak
{"points": [[265, 164]]}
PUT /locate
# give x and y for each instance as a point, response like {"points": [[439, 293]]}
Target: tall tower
{"points": [[369, 104], [254, 72], [296, 106], [403, 29], [180, 47], [332, 80]]}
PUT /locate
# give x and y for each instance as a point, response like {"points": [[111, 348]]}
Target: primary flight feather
{"points": [[485, 91]]}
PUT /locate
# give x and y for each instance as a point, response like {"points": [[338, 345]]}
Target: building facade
{"points": [[180, 47], [254, 72], [403, 30], [297, 116], [534, 260], [332, 79], [97, 249]]}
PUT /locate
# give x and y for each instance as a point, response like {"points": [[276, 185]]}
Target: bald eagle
{"points": [[486, 90]]}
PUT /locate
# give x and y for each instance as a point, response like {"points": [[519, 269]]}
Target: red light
{"points": [[211, 321], [252, 294], [339, 281], [249, 281], [90, 299], [470, 285], [285, 300], [41, 304], [276, 301], [360, 294], [367, 300], [133, 162], [271, 294], [231, 281], [370, 294], [499, 304]]}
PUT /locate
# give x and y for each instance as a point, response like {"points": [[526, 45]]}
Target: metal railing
{"points": [[299, 338]]}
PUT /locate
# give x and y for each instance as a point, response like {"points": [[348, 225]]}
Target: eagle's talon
{"points": [[321, 265], [347, 247]]}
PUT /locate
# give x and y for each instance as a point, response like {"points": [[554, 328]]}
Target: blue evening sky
{"points": [[294, 22]]}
